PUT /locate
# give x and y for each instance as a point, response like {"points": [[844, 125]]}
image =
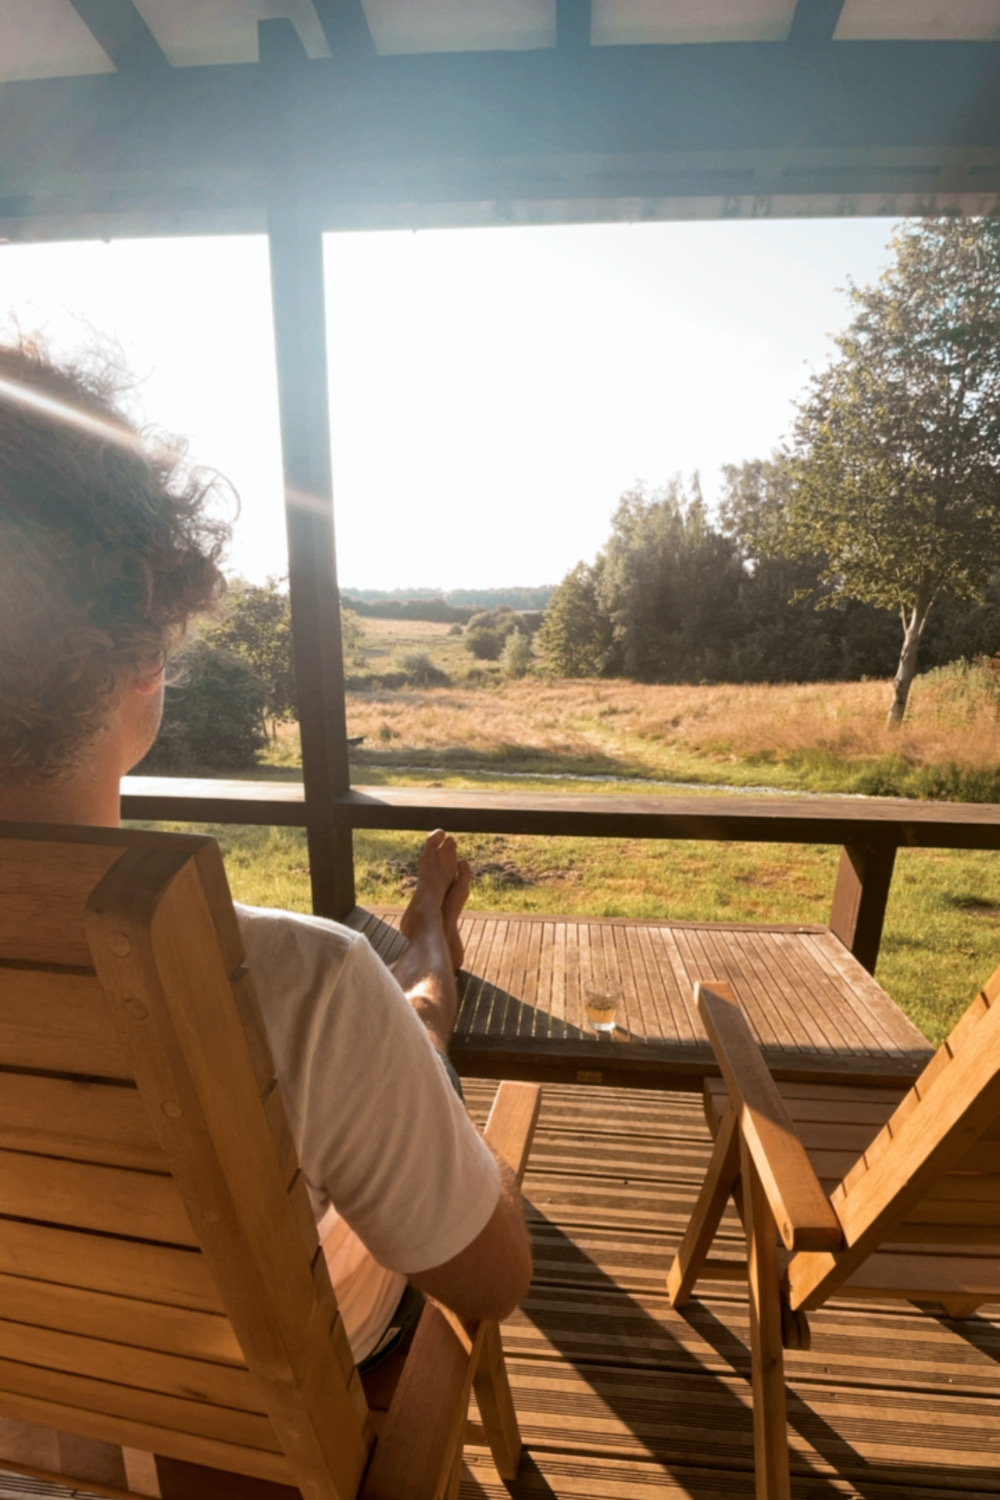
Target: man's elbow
{"points": [[505, 1292], [491, 1275]]}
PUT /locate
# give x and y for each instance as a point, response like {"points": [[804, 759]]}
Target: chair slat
{"points": [[145, 1370], [58, 1022], [79, 1119], [147, 1436], [160, 1274], [78, 1195], [42, 887], [172, 1413], [124, 1320]]}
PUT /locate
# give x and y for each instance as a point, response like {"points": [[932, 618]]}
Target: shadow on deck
{"points": [[619, 1395]]}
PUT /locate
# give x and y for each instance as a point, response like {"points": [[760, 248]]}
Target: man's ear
{"points": [[149, 679]]}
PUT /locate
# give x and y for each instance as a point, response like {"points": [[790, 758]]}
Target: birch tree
{"points": [[897, 443]]}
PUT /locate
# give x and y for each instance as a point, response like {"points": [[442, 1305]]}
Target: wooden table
{"points": [[816, 1011]]}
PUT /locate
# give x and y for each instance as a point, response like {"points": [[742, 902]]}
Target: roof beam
{"points": [[542, 136], [124, 35], [815, 20], [573, 20], [345, 27]]}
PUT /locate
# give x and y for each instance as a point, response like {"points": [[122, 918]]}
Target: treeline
{"points": [[430, 607], [677, 596], [405, 604]]}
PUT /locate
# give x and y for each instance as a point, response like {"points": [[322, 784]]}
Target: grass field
{"points": [[943, 924]]}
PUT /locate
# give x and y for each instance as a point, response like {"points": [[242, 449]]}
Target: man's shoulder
{"points": [[296, 946], [269, 924]]}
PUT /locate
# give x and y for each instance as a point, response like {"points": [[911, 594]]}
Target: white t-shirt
{"points": [[399, 1177]]}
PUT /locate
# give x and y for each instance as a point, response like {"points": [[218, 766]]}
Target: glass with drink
{"points": [[601, 998]]}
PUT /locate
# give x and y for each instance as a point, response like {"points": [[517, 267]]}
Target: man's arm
{"points": [[490, 1276]]}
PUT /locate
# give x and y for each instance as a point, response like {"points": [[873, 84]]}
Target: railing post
{"points": [[859, 899], [296, 246]]}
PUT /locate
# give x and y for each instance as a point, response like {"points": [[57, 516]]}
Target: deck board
{"points": [[815, 1010], [621, 1397]]}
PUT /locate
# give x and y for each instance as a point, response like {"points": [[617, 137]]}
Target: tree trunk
{"points": [[913, 629]]}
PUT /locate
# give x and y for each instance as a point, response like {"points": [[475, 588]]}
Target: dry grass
{"points": [[667, 732]]}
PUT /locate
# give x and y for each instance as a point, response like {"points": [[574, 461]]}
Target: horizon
{"points": [[528, 376]]}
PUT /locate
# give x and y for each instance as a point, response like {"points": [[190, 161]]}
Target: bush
{"points": [[516, 658], [487, 631], [213, 715], [484, 643], [421, 671]]}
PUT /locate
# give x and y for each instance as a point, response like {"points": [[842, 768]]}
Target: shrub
{"points": [[516, 658], [213, 716], [421, 671], [484, 643]]}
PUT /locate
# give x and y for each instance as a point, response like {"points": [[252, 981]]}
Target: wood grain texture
{"points": [[815, 1011]]}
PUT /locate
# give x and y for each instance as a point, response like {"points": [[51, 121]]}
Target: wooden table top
{"points": [[816, 1012]]}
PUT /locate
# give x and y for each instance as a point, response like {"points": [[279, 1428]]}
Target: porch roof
{"points": [[148, 117]]}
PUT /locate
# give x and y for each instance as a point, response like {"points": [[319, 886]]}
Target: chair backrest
{"points": [[161, 1283], [932, 1174]]}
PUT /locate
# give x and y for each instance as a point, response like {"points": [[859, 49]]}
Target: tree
{"points": [[576, 634], [212, 714], [258, 628], [669, 586], [897, 444]]}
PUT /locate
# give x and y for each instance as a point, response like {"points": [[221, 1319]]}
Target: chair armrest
{"points": [[510, 1128], [801, 1209]]}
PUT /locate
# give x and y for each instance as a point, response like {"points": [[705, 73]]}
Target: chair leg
{"points": [[770, 1420], [720, 1179], [450, 1491], [496, 1405]]}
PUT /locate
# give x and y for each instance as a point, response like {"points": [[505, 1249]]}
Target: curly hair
{"points": [[107, 548]]}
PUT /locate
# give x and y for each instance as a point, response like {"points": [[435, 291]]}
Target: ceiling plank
{"points": [[124, 35], [345, 27], [573, 20], [815, 20], [279, 44]]}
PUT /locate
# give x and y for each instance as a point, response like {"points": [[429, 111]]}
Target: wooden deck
{"points": [[619, 1396], [814, 1008]]}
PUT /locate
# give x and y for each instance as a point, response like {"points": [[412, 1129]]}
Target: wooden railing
{"points": [[869, 831]]}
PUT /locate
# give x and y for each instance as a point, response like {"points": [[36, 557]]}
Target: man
{"points": [[107, 549]]}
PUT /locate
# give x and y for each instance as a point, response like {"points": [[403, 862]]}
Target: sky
{"points": [[493, 391]]}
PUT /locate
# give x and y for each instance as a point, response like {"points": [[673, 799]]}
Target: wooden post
{"points": [[296, 245], [859, 899]]}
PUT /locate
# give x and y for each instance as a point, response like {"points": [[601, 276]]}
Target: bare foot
{"points": [[437, 866], [442, 889], [454, 901]]}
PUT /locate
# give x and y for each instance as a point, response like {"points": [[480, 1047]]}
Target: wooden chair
{"points": [[161, 1285], [875, 1192]]}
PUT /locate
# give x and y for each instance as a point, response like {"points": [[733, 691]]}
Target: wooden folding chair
{"points": [[161, 1285], [876, 1192]]}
